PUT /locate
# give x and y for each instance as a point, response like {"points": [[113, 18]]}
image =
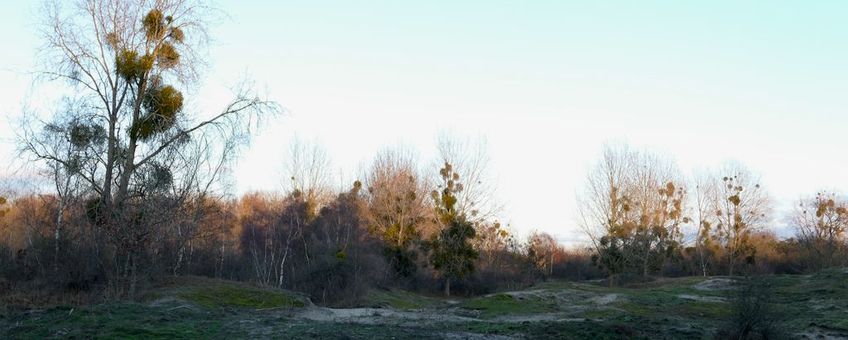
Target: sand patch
{"points": [[605, 299], [822, 333], [702, 298], [374, 316], [716, 283]]}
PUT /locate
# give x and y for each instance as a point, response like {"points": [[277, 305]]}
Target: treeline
{"points": [[399, 227], [646, 219], [402, 227]]}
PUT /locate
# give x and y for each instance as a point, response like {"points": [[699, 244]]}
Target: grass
{"points": [[110, 321], [243, 297], [505, 304], [820, 299], [399, 299], [555, 330], [212, 293], [205, 308]]}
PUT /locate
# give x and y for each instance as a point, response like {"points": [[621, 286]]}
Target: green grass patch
{"points": [[217, 296], [207, 308], [556, 330], [112, 321], [505, 304], [600, 314], [399, 299], [212, 293], [698, 309]]}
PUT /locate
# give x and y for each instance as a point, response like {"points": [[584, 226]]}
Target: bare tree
{"points": [[76, 142], [399, 209], [309, 170], [703, 220], [599, 204], [741, 206], [493, 242], [469, 158], [397, 197], [658, 206], [821, 224], [541, 248], [124, 61], [632, 210], [258, 216], [196, 173]]}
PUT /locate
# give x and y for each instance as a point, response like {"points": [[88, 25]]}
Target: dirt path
{"points": [[376, 316]]}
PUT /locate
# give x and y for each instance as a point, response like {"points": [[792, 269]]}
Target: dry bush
{"points": [[753, 316], [343, 258]]}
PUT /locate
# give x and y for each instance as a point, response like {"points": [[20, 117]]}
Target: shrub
{"points": [[752, 315]]}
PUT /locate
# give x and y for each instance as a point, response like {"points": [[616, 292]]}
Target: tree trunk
{"points": [[282, 267], [57, 235], [133, 277], [730, 266], [551, 265], [447, 286], [106, 196]]}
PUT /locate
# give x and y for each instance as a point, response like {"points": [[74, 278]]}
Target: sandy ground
{"points": [[821, 334], [716, 283], [702, 298], [379, 315]]}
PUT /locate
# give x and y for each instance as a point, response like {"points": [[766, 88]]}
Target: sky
{"points": [[546, 83]]}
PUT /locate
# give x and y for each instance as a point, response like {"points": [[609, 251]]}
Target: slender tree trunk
{"points": [[133, 275], [180, 254], [731, 263], [447, 286], [57, 235], [699, 244], [223, 252], [282, 266], [551, 265], [106, 197]]}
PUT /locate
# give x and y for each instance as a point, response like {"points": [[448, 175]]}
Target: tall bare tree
{"points": [[469, 157], [541, 249], [308, 169], [397, 197], [399, 208], [820, 226], [703, 220], [128, 63], [73, 140], [740, 206], [632, 210]]}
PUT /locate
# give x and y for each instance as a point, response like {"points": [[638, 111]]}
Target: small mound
{"points": [[235, 296], [504, 304], [211, 293]]}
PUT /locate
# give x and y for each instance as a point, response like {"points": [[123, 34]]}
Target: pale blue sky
{"points": [[547, 82]]}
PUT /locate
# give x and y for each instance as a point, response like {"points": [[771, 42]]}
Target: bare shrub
{"points": [[752, 316]]}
